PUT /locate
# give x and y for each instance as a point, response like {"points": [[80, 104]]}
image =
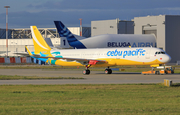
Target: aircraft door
{"points": [[83, 55], [147, 55]]}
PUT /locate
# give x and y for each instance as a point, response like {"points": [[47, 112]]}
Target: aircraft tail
{"points": [[38, 41], [64, 32]]}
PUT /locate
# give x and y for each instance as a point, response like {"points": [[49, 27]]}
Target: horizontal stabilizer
{"points": [[22, 53]]}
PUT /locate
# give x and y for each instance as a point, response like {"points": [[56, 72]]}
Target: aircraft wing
{"points": [[80, 60]]}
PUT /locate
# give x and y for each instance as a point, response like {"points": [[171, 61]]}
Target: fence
{"points": [[17, 60]]}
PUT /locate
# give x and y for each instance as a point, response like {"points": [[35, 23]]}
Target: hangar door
{"points": [[150, 30]]}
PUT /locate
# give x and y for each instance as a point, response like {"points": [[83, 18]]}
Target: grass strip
{"points": [[89, 99], [16, 77]]}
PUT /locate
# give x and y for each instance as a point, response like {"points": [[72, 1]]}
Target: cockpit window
{"points": [[160, 52]]}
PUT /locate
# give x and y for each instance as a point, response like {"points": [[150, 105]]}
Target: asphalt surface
{"points": [[96, 77]]}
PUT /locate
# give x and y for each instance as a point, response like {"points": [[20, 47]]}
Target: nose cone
{"points": [[166, 58]]}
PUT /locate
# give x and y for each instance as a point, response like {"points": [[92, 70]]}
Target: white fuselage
{"points": [[117, 56]]}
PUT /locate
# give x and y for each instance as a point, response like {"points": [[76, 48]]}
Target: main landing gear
{"points": [[87, 71], [108, 71]]}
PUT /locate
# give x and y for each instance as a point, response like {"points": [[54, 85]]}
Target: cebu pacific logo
{"points": [[137, 52], [57, 54]]}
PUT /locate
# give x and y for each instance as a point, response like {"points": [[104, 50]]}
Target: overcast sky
{"points": [[42, 13]]}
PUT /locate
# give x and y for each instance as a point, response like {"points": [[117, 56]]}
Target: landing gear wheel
{"points": [[108, 71], [86, 72], [157, 72], [166, 72]]}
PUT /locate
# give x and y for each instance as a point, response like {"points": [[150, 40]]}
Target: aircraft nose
{"points": [[166, 59]]}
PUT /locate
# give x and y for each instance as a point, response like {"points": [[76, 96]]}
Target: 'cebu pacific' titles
{"points": [[102, 57], [106, 40]]}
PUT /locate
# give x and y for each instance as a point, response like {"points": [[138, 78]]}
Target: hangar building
{"points": [[115, 26], [166, 29]]}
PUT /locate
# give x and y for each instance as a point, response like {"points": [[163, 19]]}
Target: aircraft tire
{"points": [[108, 71], [166, 72], [157, 72], [86, 72]]}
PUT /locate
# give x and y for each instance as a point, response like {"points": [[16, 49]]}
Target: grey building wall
{"points": [[86, 32], [149, 23], [173, 36], [115, 26], [126, 27], [3, 33], [167, 31], [104, 27]]}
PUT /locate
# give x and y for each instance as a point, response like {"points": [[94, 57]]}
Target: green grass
{"points": [[89, 99], [16, 77]]}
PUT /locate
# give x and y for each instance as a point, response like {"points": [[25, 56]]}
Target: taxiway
{"points": [[96, 77]]}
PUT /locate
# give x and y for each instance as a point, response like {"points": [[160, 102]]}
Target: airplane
{"points": [[106, 40], [100, 57]]}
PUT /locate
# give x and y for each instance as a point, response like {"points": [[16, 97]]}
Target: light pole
{"points": [[80, 26], [7, 28]]}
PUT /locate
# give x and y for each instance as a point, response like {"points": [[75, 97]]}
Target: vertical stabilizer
{"points": [[38, 41], [64, 32]]}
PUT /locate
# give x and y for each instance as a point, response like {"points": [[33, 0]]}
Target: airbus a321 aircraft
{"points": [[102, 57], [106, 40]]}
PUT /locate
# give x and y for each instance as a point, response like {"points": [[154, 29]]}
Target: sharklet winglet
{"points": [[28, 51]]}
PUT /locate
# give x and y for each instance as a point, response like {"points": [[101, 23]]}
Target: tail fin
{"points": [[64, 32], [38, 41]]}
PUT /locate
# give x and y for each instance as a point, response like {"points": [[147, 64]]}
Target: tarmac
{"points": [[96, 77]]}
